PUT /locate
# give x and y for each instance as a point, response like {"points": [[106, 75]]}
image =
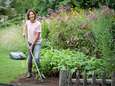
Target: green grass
{"points": [[11, 40], [10, 69]]}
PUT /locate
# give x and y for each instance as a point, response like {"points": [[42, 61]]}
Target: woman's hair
{"points": [[28, 12]]}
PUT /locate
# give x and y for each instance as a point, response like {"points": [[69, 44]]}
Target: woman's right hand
{"points": [[31, 47]]}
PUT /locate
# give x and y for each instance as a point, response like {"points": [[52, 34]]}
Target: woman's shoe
{"points": [[29, 75]]}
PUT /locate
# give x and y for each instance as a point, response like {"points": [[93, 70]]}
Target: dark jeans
{"points": [[35, 52]]}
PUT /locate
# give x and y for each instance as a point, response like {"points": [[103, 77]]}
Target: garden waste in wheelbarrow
{"points": [[17, 55]]}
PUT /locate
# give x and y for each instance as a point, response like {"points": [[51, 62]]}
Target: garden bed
{"points": [[22, 81]]}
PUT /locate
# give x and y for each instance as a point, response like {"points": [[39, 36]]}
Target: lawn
{"points": [[9, 41], [10, 69]]}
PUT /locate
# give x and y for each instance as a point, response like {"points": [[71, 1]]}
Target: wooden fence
{"points": [[65, 79]]}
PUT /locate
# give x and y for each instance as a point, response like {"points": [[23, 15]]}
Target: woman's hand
{"points": [[31, 47]]}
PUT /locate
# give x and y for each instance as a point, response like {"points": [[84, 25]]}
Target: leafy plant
{"points": [[53, 59]]}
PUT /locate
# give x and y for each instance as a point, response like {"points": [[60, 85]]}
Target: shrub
{"points": [[53, 59], [72, 31], [101, 29]]}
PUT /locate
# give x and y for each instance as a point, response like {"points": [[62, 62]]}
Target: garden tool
{"points": [[42, 77]]}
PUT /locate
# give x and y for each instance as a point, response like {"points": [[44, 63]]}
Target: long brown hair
{"points": [[28, 12]]}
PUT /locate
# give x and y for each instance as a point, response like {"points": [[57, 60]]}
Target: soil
{"points": [[22, 81]]}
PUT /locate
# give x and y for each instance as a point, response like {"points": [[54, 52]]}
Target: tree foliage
{"points": [[42, 6]]}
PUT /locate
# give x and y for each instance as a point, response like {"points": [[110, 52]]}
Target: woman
{"points": [[33, 32]]}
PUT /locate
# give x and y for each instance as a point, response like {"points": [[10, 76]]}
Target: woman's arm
{"points": [[24, 33], [36, 37], [37, 34]]}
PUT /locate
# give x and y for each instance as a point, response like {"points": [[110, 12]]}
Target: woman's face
{"points": [[31, 16]]}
